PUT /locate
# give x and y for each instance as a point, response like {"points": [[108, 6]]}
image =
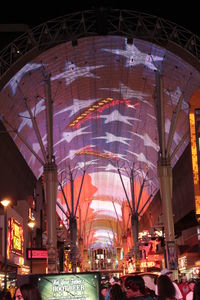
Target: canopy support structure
{"points": [[165, 171], [50, 182], [134, 214]]}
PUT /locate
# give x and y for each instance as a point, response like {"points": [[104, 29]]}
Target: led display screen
{"points": [[104, 119]]}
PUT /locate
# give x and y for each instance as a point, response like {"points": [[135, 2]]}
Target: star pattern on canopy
{"points": [[104, 121]]}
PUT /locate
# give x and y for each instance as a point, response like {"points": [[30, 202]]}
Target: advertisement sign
{"points": [[16, 237], [171, 255], [37, 253], [68, 286]]}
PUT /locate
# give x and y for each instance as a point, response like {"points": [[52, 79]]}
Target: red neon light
{"points": [[37, 254]]}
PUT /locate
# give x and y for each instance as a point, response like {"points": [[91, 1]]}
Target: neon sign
{"points": [[37, 254], [16, 237]]}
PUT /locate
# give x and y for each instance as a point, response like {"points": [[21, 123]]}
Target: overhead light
{"points": [[5, 202]]}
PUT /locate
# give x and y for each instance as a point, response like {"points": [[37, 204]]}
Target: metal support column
{"points": [[165, 180], [51, 185], [134, 225], [165, 171], [5, 249], [73, 239]]}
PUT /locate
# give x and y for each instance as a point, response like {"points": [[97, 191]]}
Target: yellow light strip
{"points": [[194, 104]]}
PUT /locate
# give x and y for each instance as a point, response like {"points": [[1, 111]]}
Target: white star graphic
{"points": [[111, 138], [109, 167], [116, 116], [69, 136], [76, 106], [72, 72], [13, 83], [136, 57], [175, 96], [26, 120], [128, 93], [141, 157], [117, 155], [81, 165], [167, 128], [147, 140]]}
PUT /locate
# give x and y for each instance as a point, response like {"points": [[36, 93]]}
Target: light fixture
{"points": [[31, 223], [5, 202]]}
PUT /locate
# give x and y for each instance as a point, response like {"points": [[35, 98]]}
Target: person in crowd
{"points": [[167, 272], [6, 296], [135, 288], [191, 284], [116, 293], [28, 292], [166, 289], [150, 285], [184, 287], [112, 281], [103, 290], [196, 291]]}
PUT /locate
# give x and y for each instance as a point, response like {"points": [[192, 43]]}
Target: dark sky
{"points": [[32, 13], [184, 13]]}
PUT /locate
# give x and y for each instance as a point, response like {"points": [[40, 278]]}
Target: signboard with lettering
{"points": [[68, 286], [37, 253], [16, 237]]}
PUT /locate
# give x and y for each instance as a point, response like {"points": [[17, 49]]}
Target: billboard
{"points": [[79, 286]]}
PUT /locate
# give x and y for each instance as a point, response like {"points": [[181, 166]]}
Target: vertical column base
{"points": [[52, 259]]}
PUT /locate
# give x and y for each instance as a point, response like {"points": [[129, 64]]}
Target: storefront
{"points": [[189, 265]]}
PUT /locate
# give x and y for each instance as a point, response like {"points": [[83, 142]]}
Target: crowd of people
{"points": [[135, 287], [24, 292]]}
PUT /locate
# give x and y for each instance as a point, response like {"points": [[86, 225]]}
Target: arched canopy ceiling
{"points": [[103, 120]]}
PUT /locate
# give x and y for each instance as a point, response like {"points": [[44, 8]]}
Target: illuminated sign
{"points": [[37, 254], [98, 106], [194, 136], [16, 237], [89, 151], [182, 263], [80, 286], [143, 264], [197, 132]]}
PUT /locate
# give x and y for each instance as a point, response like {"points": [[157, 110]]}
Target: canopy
{"points": [[104, 120]]}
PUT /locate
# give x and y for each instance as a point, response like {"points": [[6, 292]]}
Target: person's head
{"points": [[135, 283], [191, 284], [196, 291], [116, 292], [28, 292], [184, 279], [166, 288], [166, 271]]}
